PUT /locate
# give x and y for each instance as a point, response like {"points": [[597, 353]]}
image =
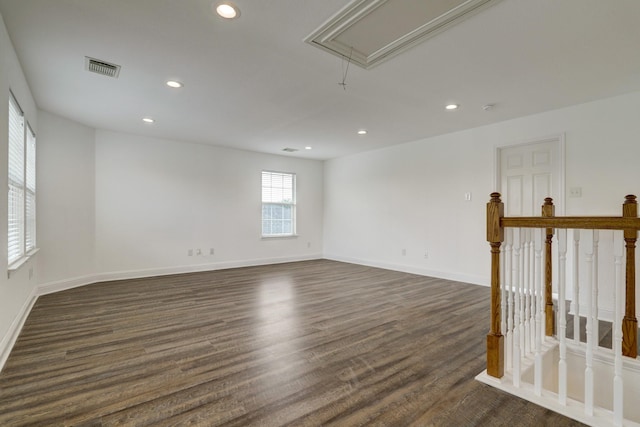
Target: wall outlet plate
{"points": [[575, 192]]}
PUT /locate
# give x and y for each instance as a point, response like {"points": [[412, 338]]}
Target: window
{"points": [[278, 204], [21, 233]]}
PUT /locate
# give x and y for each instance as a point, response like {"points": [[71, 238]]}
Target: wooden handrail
{"points": [[497, 222], [582, 222]]}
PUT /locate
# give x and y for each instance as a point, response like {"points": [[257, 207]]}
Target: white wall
{"points": [[156, 199], [66, 199], [16, 290], [410, 196]]}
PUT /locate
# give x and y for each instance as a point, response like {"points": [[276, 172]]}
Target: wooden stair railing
{"points": [[630, 322], [548, 211], [496, 224], [495, 237]]}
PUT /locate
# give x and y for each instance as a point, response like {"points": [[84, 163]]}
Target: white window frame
{"points": [[274, 195], [21, 188]]}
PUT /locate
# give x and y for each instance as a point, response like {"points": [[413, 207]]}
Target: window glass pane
{"points": [[277, 187], [276, 227], [21, 174], [30, 221], [15, 222], [278, 203], [286, 212], [30, 156], [16, 144], [30, 207]]}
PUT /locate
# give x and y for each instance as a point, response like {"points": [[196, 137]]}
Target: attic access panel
{"points": [[372, 31]]}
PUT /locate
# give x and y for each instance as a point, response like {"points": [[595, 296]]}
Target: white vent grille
{"points": [[290, 150], [101, 67]]}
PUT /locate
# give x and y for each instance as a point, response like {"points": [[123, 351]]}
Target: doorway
{"points": [[527, 173]]}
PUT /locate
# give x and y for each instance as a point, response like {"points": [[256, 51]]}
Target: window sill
{"points": [[15, 266], [280, 237]]}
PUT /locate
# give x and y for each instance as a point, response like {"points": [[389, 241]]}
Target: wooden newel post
{"points": [[495, 237], [630, 322], [548, 210]]}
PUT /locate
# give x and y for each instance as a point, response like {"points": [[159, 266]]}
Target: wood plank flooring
{"points": [[300, 344]]}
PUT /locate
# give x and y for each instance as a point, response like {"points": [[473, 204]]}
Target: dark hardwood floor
{"points": [[301, 344]]}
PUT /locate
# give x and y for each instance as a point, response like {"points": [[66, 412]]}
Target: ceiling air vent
{"points": [[101, 67], [290, 150]]}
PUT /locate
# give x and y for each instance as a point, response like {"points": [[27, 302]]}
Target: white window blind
{"points": [[21, 186], [30, 186], [16, 182], [278, 204]]}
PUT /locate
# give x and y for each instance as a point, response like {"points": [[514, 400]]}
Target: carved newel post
{"points": [[548, 210], [630, 322], [495, 237]]}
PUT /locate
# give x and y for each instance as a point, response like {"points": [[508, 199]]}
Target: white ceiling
{"points": [[253, 84]]}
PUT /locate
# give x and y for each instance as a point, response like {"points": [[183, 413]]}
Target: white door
{"points": [[528, 173]]}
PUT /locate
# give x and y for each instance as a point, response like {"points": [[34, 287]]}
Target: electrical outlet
{"points": [[426, 254], [190, 252], [198, 252], [575, 192], [211, 251], [467, 197]]}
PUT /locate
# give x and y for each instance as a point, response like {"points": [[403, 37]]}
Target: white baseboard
{"points": [[9, 340], [458, 277], [64, 284]]}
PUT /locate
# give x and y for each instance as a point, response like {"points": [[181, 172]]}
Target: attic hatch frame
{"points": [[327, 36]]}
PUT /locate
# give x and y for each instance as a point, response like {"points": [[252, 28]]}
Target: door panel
{"points": [[513, 195], [529, 173]]}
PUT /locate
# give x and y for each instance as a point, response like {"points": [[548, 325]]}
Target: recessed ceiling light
{"points": [[174, 84], [308, 148], [452, 107], [148, 120], [362, 132], [227, 10]]}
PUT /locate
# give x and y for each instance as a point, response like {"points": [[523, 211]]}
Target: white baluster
{"points": [[562, 327], [521, 282], [526, 287], [532, 280], [503, 299], [509, 287], [594, 291], [517, 242], [576, 286], [539, 236], [618, 303], [588, 371]]}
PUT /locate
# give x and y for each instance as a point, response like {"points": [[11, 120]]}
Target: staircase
{"points": [[566, 307]]}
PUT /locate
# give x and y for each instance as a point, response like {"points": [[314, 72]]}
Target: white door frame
{"points": [[559, 139]]}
